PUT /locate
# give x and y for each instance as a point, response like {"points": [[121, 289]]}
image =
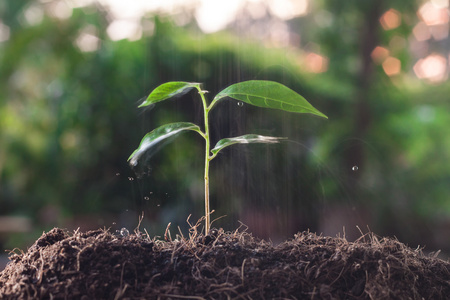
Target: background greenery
{"points": [[69, 120]]}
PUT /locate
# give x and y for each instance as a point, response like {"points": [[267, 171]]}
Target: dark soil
{"points": [[102, 265]]}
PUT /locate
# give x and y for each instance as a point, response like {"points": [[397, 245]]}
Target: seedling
{"points": [[268, 94]]}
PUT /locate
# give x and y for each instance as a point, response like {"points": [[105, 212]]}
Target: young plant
{"points": [[268, 94]]}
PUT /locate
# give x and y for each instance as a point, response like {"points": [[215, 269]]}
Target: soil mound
{"points": [[222, 265]]}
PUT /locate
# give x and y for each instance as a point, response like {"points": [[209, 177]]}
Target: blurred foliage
{"points": [[68, 122]]}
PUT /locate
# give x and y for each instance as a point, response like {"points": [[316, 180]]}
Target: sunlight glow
{"points": [[432, 14], [435, 23], [390, 19], [124, 29], [126, 16], [214, 15], [432, 68], [256, 10], [211, 15], [288, 9], [392, 66]]}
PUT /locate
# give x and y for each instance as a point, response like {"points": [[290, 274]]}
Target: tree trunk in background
{"points": [[355, 155]]}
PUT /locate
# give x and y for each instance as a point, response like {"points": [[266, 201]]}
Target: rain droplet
{"points": [[355, 168], [124, 232], [117, 174], [240, 103], [130, 178], [158, 205], [146, 198], [114, 223]]}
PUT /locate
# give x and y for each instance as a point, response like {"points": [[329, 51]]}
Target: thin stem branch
{"points": [[212, 156], [207, 160]]}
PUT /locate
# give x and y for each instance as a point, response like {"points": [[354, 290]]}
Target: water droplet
{"points": [[147, 198], [151, 193], [124, 232], [130, 178], [114, 223], [158, 205], [240, 103], [117, 174], [355, 168]]}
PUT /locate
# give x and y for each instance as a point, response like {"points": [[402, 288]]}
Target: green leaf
{"points": [[245, 139], [268, 94], [158, 135], [168, 90]]}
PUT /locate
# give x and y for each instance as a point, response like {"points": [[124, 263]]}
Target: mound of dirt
{"points": [[221, 265]]}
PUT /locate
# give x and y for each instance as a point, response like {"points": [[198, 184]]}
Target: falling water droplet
{"points": [[124, 232], [130, 178], [240, 103], [355, 168], [158, 205], [114, 223], [117, 174], [146, 198]]}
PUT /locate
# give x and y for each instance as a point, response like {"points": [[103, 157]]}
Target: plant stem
{"points": [[207, 159]]}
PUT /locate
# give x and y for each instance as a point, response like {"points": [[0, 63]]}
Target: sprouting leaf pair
{"points": [[267, 94]]}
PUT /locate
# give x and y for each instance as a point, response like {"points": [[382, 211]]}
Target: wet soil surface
{"points": [[234, 265]]}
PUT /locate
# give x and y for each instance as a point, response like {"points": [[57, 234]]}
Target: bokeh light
{"points": [[432, 68], [421, 32], [390, 19], [379, 54], [392, 66], [88, 40], [433, 14], [316, 63]]}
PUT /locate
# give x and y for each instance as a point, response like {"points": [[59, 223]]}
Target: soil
{"points": [[222, 265]]}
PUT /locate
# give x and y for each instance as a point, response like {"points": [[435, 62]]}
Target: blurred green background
{"points": [[72, 74]]}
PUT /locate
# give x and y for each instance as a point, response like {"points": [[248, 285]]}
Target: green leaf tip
{"points": [[158, 135], [168, 90], [269, 94]]}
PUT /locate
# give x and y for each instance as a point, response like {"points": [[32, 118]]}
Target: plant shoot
{"points": [[262, 93]]}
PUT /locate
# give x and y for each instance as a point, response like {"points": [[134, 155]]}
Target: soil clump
{"points": [[222, 265]]}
